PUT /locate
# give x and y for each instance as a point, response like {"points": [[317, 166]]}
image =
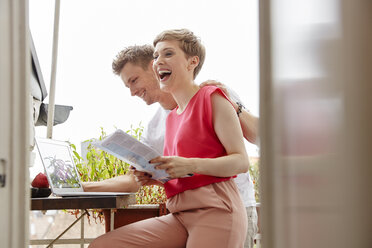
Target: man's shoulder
{"points": [[233, 95], [160, 116], [161, 112]]}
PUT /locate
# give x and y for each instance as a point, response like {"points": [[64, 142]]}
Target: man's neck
{"points": [[167, 101]]}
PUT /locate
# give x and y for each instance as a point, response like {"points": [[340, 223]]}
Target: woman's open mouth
{"points": [[164, 75]]}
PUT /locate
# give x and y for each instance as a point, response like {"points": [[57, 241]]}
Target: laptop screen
{"points": [[58, 163]]}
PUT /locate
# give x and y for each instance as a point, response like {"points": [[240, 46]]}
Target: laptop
{"points": [[61, 171]]}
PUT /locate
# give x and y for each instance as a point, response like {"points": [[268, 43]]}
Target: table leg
{"points": [[68, 228], [82, 231], [112, 220]]}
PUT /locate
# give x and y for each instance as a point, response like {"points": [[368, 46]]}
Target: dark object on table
{"points": [[40, 192]]}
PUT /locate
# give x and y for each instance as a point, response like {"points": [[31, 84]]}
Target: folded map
{"points": [[130, 150]]}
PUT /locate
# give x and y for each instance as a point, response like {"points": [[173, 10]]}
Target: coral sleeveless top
{"points": [[191, 135]]}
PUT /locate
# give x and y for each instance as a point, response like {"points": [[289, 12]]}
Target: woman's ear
{"points": [[193, 62]]}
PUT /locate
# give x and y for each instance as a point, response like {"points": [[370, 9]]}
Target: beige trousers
{"points": [[210, 216]]}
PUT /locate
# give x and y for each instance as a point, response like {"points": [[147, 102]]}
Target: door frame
{"points": [[14, 132]]}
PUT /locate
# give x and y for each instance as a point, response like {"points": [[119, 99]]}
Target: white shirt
{"points": [[153, 136]]}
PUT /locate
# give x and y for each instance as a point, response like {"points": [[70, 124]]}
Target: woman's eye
{"points": [[168, 54], [156, 57]]}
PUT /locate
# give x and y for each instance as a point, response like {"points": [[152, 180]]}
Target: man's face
{"points": [[142, 83]]}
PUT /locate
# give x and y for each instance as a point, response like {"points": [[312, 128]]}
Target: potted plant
{"points": [[99, 165]]}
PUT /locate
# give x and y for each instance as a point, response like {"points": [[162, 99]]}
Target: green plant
{"points": [[100, 165], [151, 195], [254, 171]]}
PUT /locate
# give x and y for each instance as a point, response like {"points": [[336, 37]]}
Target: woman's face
{"points": [[170, 65]]}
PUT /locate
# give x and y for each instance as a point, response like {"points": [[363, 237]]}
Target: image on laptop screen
{"points": [[59, 165]]}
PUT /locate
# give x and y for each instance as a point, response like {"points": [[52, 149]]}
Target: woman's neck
{"points": [[183, 95]]}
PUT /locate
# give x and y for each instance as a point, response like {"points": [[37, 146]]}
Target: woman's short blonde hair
{"points": [[189, 43]]}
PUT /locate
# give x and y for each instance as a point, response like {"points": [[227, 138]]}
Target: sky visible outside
{"points": [[92, 32]]}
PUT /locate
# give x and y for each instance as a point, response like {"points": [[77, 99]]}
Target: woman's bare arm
{"points": [[248, 122]]}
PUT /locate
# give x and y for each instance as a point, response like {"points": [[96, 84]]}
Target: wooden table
{"points": [[83, 203]]}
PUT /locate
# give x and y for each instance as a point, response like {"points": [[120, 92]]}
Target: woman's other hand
{"points": [[175, 166], [144, 178]]}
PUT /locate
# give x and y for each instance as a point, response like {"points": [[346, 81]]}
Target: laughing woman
{"points": [[203, 139]]}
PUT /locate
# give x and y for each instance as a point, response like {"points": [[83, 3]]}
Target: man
{"points": [[134, 66]]}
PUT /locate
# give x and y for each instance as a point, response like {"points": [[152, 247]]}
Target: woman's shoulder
{"points": [[210, 90]]}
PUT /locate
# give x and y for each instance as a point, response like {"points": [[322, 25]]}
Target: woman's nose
{"points": [[158, 61]]}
